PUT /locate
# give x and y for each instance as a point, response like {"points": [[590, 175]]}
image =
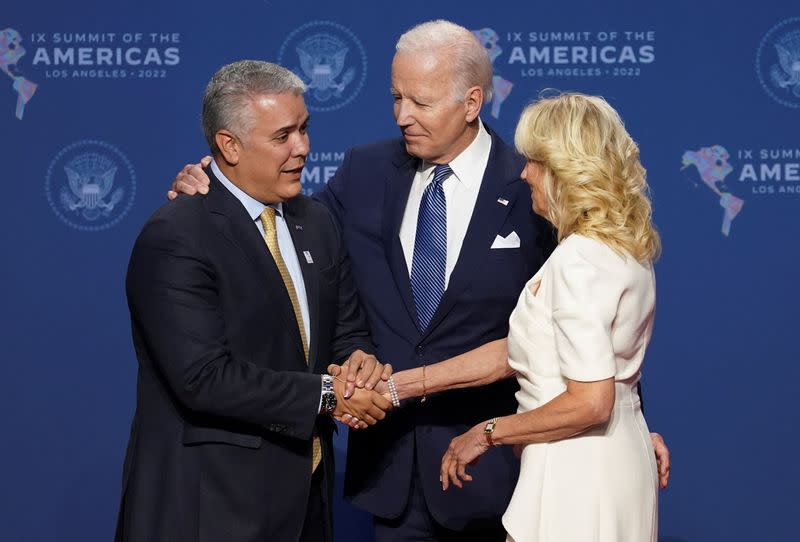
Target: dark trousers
{"points": [[317, 525], [417, 524]]}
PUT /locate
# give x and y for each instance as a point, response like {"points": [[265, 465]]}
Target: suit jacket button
{"points": [[420, 350]]}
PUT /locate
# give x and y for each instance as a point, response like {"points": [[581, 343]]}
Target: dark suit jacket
{"points": [[368, 196], [220, 446]]}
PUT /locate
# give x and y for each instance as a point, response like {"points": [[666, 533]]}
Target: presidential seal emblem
{"points": [[330, 60], [11, 51], [90, 185], [778, 62]]}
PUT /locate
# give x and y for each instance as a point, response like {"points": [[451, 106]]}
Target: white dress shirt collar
{"points": [[253, 206], [468, 167]]}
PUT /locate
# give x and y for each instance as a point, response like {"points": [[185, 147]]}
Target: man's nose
{"points": [[302, 145], [403, 115]]}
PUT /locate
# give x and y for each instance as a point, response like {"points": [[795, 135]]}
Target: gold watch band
{"points": [[488, 430]]}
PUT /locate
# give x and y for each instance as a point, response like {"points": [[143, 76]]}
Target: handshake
{"points": [[362, 395]]}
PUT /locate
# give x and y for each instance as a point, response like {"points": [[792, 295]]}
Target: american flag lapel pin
{"points": [[502, 201]]}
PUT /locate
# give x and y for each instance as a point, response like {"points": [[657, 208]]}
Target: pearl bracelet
{"points": [[393, 392]]}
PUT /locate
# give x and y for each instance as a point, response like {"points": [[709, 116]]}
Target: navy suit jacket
{"points": [[220, 445], [368, 196]]}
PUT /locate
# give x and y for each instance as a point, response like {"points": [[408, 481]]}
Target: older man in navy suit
{"points": [[442, 240], [430, 296]]}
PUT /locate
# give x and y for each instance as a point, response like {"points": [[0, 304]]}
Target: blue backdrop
{"points": [[99, 107]]}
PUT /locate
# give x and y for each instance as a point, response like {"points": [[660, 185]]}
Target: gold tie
{"points": [[271, 238]]}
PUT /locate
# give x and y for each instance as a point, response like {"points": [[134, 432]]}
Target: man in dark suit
{"points": [[386, 196], [238, 302]]}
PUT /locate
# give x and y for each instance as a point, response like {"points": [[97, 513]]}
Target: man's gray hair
{"points": [[471, 64], [226, 102]]}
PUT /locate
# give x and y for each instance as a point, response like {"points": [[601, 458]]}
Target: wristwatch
{"points": [[328, 395], [488, 430]]}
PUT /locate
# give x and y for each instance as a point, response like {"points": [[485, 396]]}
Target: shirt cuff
{"points": [[319, 407]]}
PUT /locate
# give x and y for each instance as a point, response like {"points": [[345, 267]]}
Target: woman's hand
{"points": [[463, 450]]}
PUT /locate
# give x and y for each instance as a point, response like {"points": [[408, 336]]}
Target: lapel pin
{"points": [[502, 201], [307, 254], [298, 226]]}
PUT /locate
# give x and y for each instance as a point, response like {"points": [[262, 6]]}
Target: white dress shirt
{"points": [[254, 209], [460, 191]]}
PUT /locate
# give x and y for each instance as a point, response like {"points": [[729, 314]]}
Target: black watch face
{"points": [[329, 402]]}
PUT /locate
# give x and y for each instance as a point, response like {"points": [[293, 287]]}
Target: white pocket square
{"points": [[509, 241]]}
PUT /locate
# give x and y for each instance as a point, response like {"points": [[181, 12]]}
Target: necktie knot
{"points": [[268, 220], [440, 173]]}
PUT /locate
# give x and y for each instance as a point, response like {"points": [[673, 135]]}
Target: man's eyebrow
{"points": [[290, 127]]}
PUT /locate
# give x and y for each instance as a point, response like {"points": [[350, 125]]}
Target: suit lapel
{"points": [[487, 218], [398, 186], [235, 224], [301, 241]]}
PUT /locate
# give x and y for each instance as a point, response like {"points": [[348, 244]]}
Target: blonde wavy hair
{"points": [[595, 185]]}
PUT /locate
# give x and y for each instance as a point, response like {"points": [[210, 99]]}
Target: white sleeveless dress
{"points": [[587, 315]]}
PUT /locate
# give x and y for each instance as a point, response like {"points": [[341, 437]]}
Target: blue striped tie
{"points": [[430, 248]]}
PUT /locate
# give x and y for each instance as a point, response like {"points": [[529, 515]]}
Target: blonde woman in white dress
{"points": [[578, 337], [576, 342]]}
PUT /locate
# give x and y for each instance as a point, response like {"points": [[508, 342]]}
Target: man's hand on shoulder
{"points": [[662, 459], [191, 180]]}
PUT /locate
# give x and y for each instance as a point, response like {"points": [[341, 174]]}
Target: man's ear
{"points": [[229, 146], [473, 101]]}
